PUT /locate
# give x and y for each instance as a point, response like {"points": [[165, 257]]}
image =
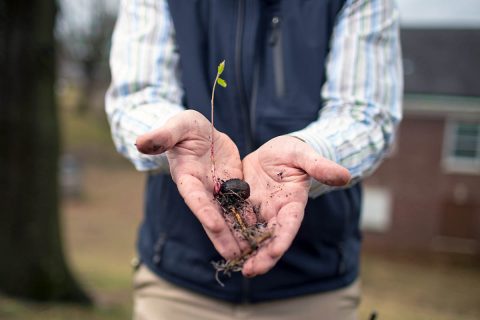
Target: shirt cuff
{"points": [[151, 163]]}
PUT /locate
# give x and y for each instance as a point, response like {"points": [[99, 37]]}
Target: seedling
{"points": [[241, 216], [223, 83]]}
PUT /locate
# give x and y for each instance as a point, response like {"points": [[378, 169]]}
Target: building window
{"points": [[462, 147], [376, 209]]}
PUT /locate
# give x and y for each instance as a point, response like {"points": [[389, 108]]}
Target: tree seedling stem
{"points": [[223, 83]]}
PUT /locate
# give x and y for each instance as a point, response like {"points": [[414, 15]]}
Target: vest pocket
{"points": [[276, 43]]}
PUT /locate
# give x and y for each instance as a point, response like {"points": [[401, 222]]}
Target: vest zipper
{"points": [[275, 42], [239, 78], [244, 107], [341, 267], [158, 248], [253, 102]]}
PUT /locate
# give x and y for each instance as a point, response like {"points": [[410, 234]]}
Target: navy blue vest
{"points": [[275, 66]]}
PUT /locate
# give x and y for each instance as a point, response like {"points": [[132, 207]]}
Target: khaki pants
{"points": [[157, 299]]}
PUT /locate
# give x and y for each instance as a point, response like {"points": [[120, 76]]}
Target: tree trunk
{"points": [[32, 261]]}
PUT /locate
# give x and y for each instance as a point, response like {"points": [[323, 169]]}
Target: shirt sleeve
{"points": [[362, 94], [145, 90]]}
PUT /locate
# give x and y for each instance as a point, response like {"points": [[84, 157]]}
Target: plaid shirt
{"points": [[362, 94]]}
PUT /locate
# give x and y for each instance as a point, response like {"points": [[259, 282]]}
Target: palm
{"points": [[190, 159], [185, 138], [279, 176]]}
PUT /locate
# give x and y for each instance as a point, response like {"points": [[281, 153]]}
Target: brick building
{"points": [[426, 196]]}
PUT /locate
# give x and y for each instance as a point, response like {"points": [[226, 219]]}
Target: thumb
{"points": [[166, 137], [321, 169]]}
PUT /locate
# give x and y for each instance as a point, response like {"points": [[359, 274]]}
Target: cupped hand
{"points": [[186, 140], [279, 176]]}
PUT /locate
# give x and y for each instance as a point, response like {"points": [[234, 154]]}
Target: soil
{"points": [[244, 220]]}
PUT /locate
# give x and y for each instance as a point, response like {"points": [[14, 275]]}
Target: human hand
{"points": [[185, 139], [279, 176]]}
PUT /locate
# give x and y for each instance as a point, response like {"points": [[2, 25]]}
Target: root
{"points": [[235, 209]]}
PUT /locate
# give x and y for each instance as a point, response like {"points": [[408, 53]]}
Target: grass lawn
{"points": [[100, 228]]}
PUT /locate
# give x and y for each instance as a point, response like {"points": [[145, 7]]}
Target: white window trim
{"points": [[450, 163], [377, 209]]}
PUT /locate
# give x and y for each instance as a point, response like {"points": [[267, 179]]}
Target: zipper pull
{"points": [[275, 30]]}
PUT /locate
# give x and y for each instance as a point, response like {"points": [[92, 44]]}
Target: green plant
{"points": [[222, 83]]}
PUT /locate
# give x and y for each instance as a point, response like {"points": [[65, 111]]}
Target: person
{"points": [[311, 108]]}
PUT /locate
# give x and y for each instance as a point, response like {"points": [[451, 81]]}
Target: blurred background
{"points": [[421, 217]]}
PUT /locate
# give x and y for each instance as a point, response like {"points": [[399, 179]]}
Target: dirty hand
{"points": [[185, 139], [279, 176]]}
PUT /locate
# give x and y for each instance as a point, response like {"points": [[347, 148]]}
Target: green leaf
{"points": [[222, 82], [221, 67]]}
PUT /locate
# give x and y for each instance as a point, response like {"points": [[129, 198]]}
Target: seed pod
{"points": [[237, 187]]}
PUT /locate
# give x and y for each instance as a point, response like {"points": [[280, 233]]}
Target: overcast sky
{"points": [[440, 13], [414, 13]]}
